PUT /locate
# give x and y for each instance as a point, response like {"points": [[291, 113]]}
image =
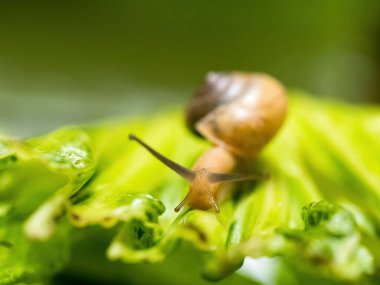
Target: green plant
{"points": [[319, 211]]}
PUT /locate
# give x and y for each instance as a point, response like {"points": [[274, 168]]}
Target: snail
{"points": [[239, 113]]}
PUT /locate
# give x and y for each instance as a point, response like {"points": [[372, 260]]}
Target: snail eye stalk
{"points": [[186, 173], [214, 204], [235, 177], [180, 205]]}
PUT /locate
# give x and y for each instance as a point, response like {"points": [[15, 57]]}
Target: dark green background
{"points": [[77, 61]]}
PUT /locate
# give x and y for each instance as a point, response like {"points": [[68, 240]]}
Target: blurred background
{"points": [[70, 62]]}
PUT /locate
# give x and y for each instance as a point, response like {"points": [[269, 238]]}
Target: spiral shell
{"points": [[238, 111]]}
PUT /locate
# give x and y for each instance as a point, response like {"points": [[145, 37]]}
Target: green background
{"points": [[64, 62]]}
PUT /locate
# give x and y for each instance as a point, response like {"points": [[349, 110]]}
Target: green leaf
{"points": [[67, 152], [24, 261], [323, 161], [34, 190], [7, 154], [330, 243]]}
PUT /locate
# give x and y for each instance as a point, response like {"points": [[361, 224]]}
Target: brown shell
{"points": [[238, 111]]}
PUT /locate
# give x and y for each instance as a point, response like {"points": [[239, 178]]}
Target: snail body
{"points": [[203, 191], [239, 113]]}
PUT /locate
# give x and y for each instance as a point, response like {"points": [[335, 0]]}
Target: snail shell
{"points": [[238, 111]]}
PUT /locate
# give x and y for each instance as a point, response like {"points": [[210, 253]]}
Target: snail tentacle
{"points": [[236, 177], [186, 173]]}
